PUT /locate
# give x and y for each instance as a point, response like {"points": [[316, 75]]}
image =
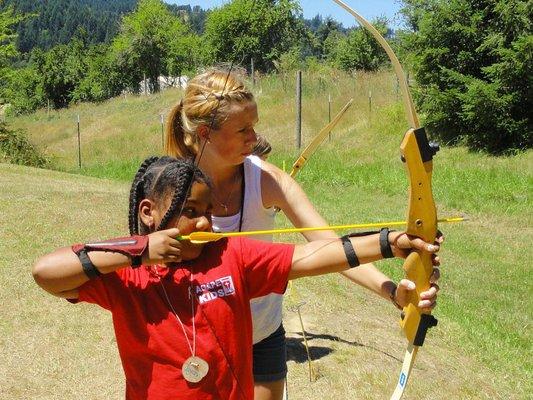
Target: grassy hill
{"points": [[481, 348]]}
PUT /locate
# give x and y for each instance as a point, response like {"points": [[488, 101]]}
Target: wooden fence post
{"points": [[298, 109], [79, 143]]}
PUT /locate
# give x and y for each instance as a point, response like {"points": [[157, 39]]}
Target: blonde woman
{"points": [[214, 124]]}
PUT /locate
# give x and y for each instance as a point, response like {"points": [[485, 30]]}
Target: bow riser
{"points": [[417, 153]]}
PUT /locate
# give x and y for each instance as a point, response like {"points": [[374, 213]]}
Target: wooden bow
{"points": [[319, 138], [417, 154]]}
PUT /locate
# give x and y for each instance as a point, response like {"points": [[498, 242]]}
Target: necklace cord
{"points": [[191, 297], [225, 205], [211, 328], [223, 352]]}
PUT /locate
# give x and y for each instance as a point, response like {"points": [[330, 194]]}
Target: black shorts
{"points": [[270, 357]]}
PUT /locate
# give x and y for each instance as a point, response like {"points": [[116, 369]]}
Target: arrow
{"points": [[204, 237]]}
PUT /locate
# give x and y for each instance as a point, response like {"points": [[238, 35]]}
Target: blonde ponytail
{"points": [[177, 142]]}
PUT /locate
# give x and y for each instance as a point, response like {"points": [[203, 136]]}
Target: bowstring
{"points": [[215, 113]]}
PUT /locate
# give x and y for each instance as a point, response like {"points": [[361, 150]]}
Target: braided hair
{"points": [[207, 101], [157, 178]]}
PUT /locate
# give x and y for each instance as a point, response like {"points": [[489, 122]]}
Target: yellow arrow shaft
{"points": [[220, 235]]}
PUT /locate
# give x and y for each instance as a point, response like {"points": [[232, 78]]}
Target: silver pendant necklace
{"points": [[234, 185], [195, 368]]}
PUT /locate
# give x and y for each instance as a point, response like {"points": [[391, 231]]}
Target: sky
{"points": [[367, 8]]}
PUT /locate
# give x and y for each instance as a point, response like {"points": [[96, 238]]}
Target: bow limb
{"points": [[411, 114], [311, 147], [417, 154]]}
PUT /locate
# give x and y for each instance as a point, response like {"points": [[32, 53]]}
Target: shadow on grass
{"points": [[296, 348]]}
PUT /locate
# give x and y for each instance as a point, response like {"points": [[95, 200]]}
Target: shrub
{"points": [[15, 148]]}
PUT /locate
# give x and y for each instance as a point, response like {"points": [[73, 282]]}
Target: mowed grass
{"points": [[481, 348], [49, 348]]}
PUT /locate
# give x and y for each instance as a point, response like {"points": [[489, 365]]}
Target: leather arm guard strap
{"points": [[131, 246], [349, 251], [384, 244], [88, 267]]}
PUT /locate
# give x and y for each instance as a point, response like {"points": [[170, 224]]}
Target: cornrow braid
{"points": [[157, 178], [183, 183], [136, 195]]}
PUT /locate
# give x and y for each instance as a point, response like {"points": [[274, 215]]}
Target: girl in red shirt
{"points": [[181, 310]]}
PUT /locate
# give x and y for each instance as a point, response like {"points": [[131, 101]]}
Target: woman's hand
{"points": [[163, 247], [428, 298], [402, 244]]}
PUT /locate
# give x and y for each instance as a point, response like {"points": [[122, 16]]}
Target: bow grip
{"points": [[415, 323], [417, 155]]}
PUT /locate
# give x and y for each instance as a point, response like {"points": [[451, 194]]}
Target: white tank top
{"points": [[266, 310]]}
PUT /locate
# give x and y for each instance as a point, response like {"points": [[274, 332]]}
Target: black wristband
{"points": [[384, 244], [353, 261], [88, 267]]}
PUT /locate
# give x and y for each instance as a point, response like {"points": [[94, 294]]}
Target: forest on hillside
{"points": [[55, 22]]}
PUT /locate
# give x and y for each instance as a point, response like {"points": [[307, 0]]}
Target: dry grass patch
{"points": [[49, 348]]}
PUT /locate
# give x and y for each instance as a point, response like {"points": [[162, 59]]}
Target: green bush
{"points": [[473, 63], [16, 149]]}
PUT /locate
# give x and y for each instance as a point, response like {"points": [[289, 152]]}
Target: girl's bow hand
{"points": [[402, 244], [163, 247]]}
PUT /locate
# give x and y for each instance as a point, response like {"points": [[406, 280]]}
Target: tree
{"points": [[194, 16], [8, 19], [185, 54], [61, 70], [151, 41], [56, 22], [263, 32], [473, 62], [102, 78], [358, 50]]}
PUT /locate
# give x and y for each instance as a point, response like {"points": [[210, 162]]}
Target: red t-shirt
{"points": [[150, 340]]}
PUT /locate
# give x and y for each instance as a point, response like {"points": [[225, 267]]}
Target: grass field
{"points": [[481, 348]]}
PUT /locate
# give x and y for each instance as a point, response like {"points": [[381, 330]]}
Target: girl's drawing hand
{"points": [[163, 247]]}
